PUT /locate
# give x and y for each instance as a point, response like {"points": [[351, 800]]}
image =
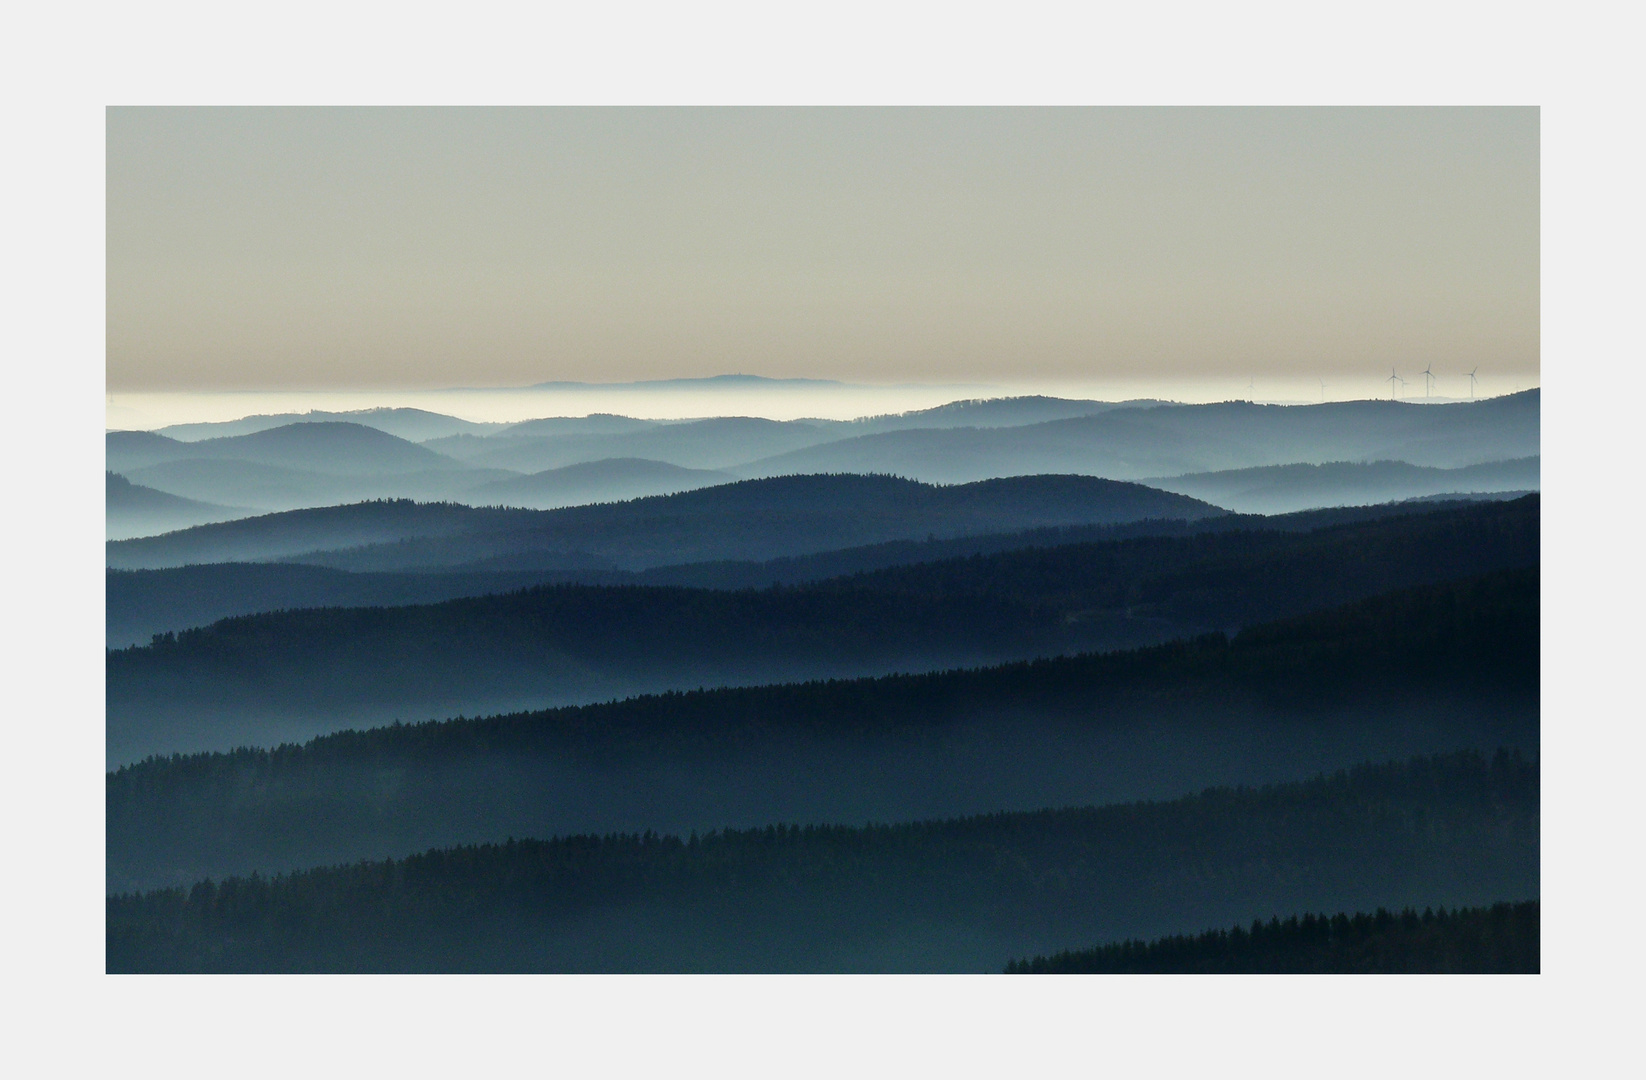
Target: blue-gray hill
{"points": [[752, 519]]}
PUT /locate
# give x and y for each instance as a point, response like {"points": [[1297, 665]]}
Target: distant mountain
{"points": [[695, 444], [127, 451], [1173, 440], [414, 425], [760, 519], [1278, 489], [134, 510], [593, 424], [340, 449], [611, 480], [276, 487], [329, 447], [268, 677], [990, 413], [722, 441]]}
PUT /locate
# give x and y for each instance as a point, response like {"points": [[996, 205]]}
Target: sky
{"points": [[401, 249]]}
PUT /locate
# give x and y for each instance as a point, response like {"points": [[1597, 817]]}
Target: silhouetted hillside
{"points": [[758, 520], [303, 672], [1501, 939], [1421, 671], [1168, 440], [952, 895]]}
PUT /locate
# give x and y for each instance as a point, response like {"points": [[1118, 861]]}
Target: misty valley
{"points": [[1028, 684]]}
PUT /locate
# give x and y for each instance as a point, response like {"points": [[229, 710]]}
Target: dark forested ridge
{"points": [[142, 603], [1502, 939], [1419, 671], [279, 676], [934, 896], [764, 519]]}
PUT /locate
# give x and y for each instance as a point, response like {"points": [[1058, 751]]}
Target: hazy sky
{"points": [[362, 248]]}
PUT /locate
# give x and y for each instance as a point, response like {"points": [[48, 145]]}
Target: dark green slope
{"points": [[1502, 939], [279, 676], [142, 603], [952, 895], [1421, 671]]}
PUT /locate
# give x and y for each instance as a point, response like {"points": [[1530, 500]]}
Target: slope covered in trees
{"points": [[142, 603], [1420, 671], [276, 676], [951, 895], [1501, 939], [766, 519]]}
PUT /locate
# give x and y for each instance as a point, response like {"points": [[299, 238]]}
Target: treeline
{"points": [[943, 895], [566, 644], [1501, 939], [1415, 672]]}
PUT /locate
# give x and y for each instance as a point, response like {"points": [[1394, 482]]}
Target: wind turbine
{"points": [[1393, 378], [1428, 379], [1472, 382], [1322, 389]]}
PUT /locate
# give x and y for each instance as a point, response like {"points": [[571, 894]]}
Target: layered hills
{"points": [[1171, 440], [937, 895], [134, 510], [1280, 489], [759, 520], [1416, 671], [142, 603], [283, 675], [291, 461]]}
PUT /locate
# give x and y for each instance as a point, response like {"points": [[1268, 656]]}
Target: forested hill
{"points": [[1501, 939], [1420, 671], [282, 675], [765, 519], [953, 895], [142, 603]]}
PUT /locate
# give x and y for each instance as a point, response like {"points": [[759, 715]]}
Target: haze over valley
{"points": [[822, 540]]}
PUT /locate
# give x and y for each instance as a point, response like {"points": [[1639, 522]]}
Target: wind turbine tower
{"points": [[1393, 378], [1472, 382], [1428, 380]]}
